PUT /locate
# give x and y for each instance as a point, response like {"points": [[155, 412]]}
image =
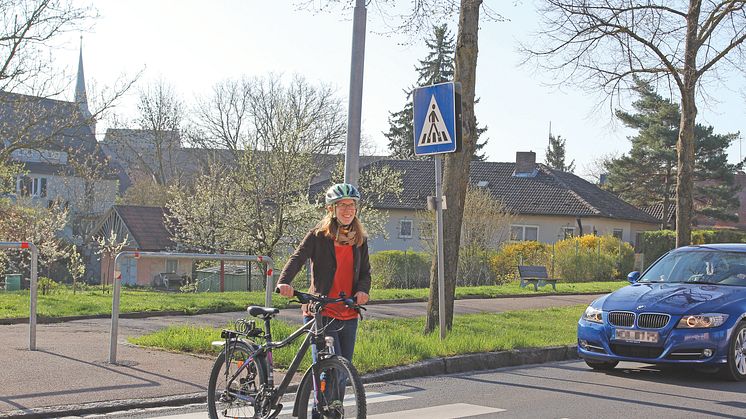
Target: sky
{"points": [[192, 45]]}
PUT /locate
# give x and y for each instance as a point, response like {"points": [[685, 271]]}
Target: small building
{"points": [[144, 229], [235, 278]]}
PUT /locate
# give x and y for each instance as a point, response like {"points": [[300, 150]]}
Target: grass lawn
{"points": [[94, 301], [388, 343]]}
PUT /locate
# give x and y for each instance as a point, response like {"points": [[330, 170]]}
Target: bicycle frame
{"points": [[310, 328]]}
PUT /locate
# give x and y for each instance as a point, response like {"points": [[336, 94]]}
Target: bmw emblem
{"points": [[640, 307]]}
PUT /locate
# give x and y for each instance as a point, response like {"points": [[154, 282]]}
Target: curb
{"points": [[146, 314], [427, 368]]}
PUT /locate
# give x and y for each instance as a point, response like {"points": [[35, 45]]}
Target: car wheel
{"points": [[601, 365], [735, 369]]}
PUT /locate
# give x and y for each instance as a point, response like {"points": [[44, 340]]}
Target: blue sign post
{"points": [[437, 130]]}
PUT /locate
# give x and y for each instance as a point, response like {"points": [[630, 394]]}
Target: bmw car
{"points": [[686, 308]]}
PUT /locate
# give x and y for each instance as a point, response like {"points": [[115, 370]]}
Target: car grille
{"points": [[636, 351], [652, 320], [622, 318], [644, 320]]}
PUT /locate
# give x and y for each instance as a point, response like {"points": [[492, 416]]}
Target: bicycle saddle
{"points": [[262, 311]]}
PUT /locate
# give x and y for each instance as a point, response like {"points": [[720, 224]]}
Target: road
{"points": [[558, 390]]}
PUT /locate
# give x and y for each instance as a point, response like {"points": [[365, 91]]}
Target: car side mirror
{"points": [[633, 276]]}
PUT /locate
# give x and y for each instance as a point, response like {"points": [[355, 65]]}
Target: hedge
{"points": [[400, 269], [656, 243]]}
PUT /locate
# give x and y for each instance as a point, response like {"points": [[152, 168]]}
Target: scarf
{"points": [[346, 235]]}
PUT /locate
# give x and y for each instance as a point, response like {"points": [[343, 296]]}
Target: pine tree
{"points": [[555, 154], [647, 174], [437, 67]]}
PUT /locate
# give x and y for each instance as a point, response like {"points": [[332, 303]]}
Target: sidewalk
{"points": [[69, 373]]}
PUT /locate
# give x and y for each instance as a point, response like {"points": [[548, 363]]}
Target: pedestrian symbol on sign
{"points": [[434, 130]]}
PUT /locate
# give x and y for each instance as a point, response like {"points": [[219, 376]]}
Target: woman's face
{"points": [[345, 210]]}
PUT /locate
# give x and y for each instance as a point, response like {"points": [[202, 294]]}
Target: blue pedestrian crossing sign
{"points": [[437, 119]]}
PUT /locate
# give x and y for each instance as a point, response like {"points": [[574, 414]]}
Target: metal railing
{"points": [[190, 256], [32, 290]]}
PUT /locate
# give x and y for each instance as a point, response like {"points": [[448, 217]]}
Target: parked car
{"points": [[687, 308]]}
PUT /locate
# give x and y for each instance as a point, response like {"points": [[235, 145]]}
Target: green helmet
{"points": [[341, 191]]}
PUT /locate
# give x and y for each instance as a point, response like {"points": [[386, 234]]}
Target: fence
{"points": [[190, 256], [32, 290]]}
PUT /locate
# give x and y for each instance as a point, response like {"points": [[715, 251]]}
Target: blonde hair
{"points": [[329, 227]]}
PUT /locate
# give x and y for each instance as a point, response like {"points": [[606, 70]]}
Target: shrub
{"points": [[592, 258], [46, 285], [474, 267], [399, 269], [505, 262]]}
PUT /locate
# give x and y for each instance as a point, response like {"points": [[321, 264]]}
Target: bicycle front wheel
{"points": [[333, 390], [236, 397]]}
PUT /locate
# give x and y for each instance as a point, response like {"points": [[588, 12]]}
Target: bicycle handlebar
{"points": [[305, 298]]}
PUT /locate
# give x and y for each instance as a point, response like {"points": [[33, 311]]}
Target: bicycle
{"points": [[242, 379]]}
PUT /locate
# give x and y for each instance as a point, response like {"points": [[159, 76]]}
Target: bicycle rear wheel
{"points": [[333, 390], [239, 398]]}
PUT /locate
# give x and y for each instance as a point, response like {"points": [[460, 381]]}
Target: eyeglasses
{"points": [[345, 207]]}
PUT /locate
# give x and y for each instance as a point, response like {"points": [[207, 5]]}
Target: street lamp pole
{"points": [[352, 154]]}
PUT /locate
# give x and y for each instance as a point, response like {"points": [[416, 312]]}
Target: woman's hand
{"points": [[285, 290], [361, 297]]}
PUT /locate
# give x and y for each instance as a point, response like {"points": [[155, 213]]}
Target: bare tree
{"points": [[602, 44]]}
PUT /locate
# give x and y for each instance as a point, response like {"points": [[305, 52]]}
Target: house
{"points": [[144, 229], [547, 205], [55, 143]]}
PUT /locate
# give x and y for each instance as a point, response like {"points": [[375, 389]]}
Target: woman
{"points": [[338, 250]]}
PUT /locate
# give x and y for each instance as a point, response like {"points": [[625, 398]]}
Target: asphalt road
{"points": [[558, 390]]}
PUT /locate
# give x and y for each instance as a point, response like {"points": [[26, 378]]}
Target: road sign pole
{"points": [[439, 225]]}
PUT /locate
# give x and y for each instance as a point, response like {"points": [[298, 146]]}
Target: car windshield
{"points": [[705, 266]]}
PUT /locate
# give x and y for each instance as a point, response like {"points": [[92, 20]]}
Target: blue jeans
{"points": [[344, 333]]}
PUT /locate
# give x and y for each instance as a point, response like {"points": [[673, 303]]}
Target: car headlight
{"points": [[593, 314], [702, 321]]}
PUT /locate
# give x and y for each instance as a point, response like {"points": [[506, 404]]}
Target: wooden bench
{"points": [[536, 276]]}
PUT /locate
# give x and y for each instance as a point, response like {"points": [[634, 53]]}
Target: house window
{"points": [[618, 233], [568, 232], [172, 265], [405, 229], [524, 233], [32, 186]]}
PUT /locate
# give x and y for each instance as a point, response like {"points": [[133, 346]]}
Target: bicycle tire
{"points": [[333, 393], [221, 401]]}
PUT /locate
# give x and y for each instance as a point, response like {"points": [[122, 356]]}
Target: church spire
{"points": [[80, 95]]}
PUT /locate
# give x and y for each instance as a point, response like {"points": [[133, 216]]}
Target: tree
{"points": [[437, 67], [555, 154], [602, 45], [646, 175]]}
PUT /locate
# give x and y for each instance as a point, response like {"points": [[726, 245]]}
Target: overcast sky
{"points": [[194, 44]]}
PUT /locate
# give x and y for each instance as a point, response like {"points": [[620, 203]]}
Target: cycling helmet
{"points": [[341, 191]]}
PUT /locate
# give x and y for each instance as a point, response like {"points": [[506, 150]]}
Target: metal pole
{"points": [[439, 222], [352, 153], [33, 292], [117, 283]]}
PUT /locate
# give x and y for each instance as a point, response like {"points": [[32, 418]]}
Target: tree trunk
{"points": [[456, 171], [685, 145]]}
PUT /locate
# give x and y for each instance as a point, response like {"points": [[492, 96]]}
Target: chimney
{"points": [[525, 163]]}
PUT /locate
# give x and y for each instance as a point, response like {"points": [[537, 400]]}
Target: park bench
{"points": [[536, 276]]}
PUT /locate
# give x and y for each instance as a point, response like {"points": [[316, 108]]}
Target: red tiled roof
{"points": [[147, 225]]}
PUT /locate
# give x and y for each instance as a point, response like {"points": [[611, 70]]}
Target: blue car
{"points": [[689, 307]]}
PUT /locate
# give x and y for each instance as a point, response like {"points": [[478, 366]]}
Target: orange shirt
{"points": [[342, 283]]}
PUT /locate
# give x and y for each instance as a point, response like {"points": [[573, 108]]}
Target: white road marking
{"points": [[370, 397], [447, 411]]}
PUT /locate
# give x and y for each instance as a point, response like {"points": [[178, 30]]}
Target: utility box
{"points": [[12, 282]]}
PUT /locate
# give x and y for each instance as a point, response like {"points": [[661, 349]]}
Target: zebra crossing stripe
{"points": [[370, 397], [447, 411]]}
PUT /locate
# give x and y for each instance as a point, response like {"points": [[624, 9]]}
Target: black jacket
{"points": [[320, 249]]}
